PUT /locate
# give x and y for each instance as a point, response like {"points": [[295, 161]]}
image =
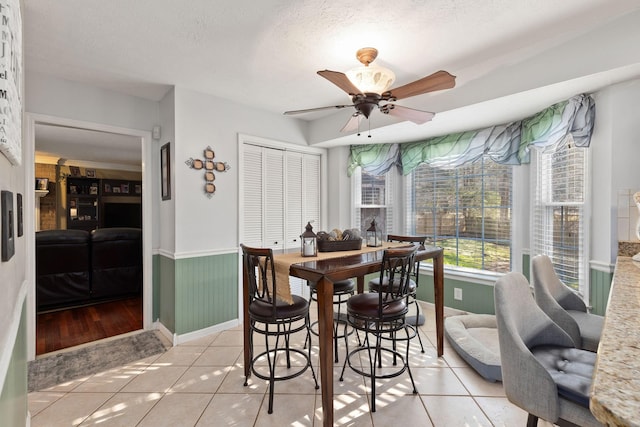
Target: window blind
{"points": [[558, 212], [467, 211]]}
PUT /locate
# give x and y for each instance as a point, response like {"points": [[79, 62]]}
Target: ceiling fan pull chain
{"points": [[369, 121]]}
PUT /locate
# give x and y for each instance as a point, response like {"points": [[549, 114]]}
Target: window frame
{"points": [[475, 274], [585, 246]]}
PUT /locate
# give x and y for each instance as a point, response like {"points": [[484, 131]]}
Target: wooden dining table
{"points": [[324, 272]]}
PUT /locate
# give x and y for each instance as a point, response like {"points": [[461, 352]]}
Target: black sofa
{"points": [[77, 267]]}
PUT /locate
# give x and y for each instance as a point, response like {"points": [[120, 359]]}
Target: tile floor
{"points": [[200, 383]]}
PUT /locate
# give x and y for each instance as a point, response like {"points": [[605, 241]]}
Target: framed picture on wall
{"points": [[165, 171]]}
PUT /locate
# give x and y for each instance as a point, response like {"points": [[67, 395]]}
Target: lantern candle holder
{"points": [[374, 235], [309, 241]]}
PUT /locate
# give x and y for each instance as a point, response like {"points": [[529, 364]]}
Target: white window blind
{"points": [[373, 197], [467, 211], [558, 231]]}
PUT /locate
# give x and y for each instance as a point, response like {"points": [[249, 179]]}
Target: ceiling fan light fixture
{"points": [[371, 79]]}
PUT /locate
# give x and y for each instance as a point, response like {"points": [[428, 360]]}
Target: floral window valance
{"points": [[570, 120]]}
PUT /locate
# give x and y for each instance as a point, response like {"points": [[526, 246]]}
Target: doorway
{"points": [[144, 144]]}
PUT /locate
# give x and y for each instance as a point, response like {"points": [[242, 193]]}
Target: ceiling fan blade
{"points": [[341, 80], [436, 81], [310, 110], [353, 123], [406, 113]]}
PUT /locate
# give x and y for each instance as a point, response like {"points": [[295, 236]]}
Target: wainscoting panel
{"points": [[206, 291], [599, 291]]}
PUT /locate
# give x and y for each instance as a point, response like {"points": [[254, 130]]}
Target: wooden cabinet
{"points": [[121, 187], [95, 203], [82, 203]]}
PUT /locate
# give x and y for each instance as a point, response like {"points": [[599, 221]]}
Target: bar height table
{"points": [[325, 272]]}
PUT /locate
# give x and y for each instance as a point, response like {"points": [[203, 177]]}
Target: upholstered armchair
{"points": [[542, 372], [564, 306]]}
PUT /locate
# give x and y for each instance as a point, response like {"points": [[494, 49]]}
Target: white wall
{"points": [[205, 225], [164, 226], [614, 157], [62, 98], [339, 189]]}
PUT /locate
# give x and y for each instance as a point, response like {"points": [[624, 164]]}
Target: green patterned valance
{"points": [[570, 120], [375, 159]]}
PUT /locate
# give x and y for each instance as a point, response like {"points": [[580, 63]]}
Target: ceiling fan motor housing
{"points": [[365, 103]]}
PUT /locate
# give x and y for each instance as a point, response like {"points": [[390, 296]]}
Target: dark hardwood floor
{"points": [[66, 328]]}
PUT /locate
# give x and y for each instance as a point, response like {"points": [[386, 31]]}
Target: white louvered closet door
{"points": [[293, 209], [274, 198], [281, 192], [253, 189]]}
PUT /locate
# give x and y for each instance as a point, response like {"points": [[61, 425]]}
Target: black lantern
{"points": [[374, 235], [309, 242]]}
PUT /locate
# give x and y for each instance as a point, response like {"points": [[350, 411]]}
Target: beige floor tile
{"points": [[176, 409], [200, 379], [477, 385], [70, 410], [123, 410], [219, 356], [201, 342], [67, 386], [287, 411], [501, 412], [438, 381], [453, 359], [39, 400], [229, 338], [234, 383], [352, 383], [446, 411], [349, 409], [181, 355], [399, 411], [156, 378], [233, 410], [109, 381]]}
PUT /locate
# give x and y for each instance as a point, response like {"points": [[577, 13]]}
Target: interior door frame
{"points": [[31, 119]]}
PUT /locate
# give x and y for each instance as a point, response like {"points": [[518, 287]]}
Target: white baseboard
{"points": [[176, 339]]}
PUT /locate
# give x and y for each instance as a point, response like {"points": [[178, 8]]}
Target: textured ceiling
{"points": [[266, 53]]}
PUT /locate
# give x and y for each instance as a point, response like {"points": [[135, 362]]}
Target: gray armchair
{"points": [[542, 372], [564, 306]]}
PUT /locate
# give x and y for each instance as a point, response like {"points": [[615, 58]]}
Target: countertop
{"points": [[615, 393]]}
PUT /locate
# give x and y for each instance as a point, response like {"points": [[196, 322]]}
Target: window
{"points": [[559, 210], [374, 197], [467, 211]]}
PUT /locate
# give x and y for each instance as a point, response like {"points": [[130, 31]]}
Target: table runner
{"points": [[283, 261]]}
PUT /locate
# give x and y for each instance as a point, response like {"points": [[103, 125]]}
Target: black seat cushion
{"points": [[340, 287], [571, 370], [366, 305], [374, 285], [263, 311]]}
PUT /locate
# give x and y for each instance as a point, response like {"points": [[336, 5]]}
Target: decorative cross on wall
{"points": [[209, 166]]}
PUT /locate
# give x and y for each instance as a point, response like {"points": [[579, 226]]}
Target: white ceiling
{"points": [[266, 53]]}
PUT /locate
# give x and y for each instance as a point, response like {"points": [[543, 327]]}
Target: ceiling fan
{"points": [[368, 86]]}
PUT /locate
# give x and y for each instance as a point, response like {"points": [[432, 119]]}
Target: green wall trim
{"points": [[13, 399], [206, 291], [476, 297], [195, 293], [165, 288], [600, 285]]}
